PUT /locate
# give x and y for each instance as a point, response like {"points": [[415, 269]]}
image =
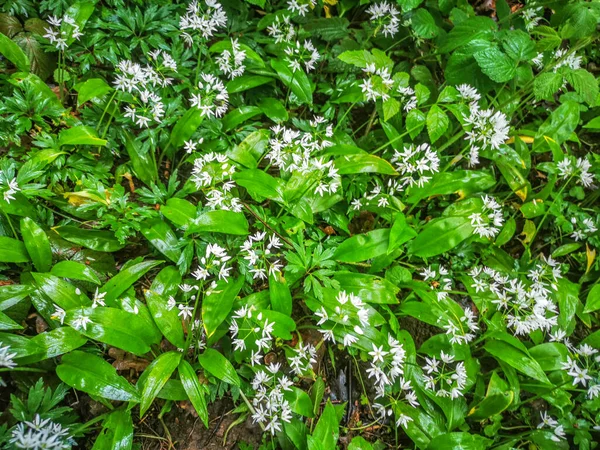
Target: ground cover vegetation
{"points": [[299, 224]]}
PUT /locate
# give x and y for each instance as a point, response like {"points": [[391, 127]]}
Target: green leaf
{"points": [[327, 430], [516, 358], [567, 295], [279, 293], [75, 271], [391, 107], [117, 432], [37, 244], [273, 109], [585, 84], [415, 122], [300, 402], [12, 251], [166, 282], [363, 163], [91, 88], [217, 365], [99, 240], [142, 162], [297, 81], [251, 149], [154, 378], [93, 375], [60, 292], [456, 441], [423, 23], [14, 54], [162, 237], [359, 443], [245, 82], [329, 29], [518, 45], [179, 211], [217, 305], [54, 343], [80, 135], [592, 303], [361, 247], [194, 390], [478, 27], [220, 221], [550, 355], [369, 288], [259, 183], [437, 123], [441, 235], [239, 116], [185, 128], [546, 85], [167, 320], [121, 329], [6, 323], [496, 64], [559, 126], [400, 233], [124, 279]]}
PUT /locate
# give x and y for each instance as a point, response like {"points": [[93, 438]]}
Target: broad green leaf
{"points": [[80, 135], [496, 64], [400, 233], [259, 183], [37, 244], [60, 292], [124, 279], [99, 240], [217, 305], [559, 126], [369, 288], [415, 122], [239, 116], [567, 296], [462, 441], [245, 82], [297, 81], [518, 45], [194, 390], [12, 251], [300, 402], [363, 163], [154, 378], [592, 302], [93, 375], [91, 88], [585, 84], [441, 235], [546, 85], [361, 247], [477, 27], [162, 237], [179, 211], [327, 430], [54, 343], [437, 123], [166, 282], [167, 319], [185, 127], [391, 107], [251, 149], [516, 358], [121, 329], [550, 355], [6, 323], [75, 271], [279, 293], [329, 29], [219, 221], [217, 365], [142, 162], [273, 109], [117, 432], [14, 54], [423, 23]]}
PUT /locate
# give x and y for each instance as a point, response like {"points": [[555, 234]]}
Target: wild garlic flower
{"points": [[164, 65], [132, 76], [439, 280], [468, 93], [263, 257], [408, 97], [6, 357], [150, 108], [378, 84], [81, 321], [328, 178], [486, 128], [202, 19], [98, 299], [564, 58], [350, 313], [190, 145], [583, 228], [557, 430], [444, 377], [11, 184], [212, 173], [251, 332], [231, 62], [303, 360], [532, 17], [583, 366], [416, 164], [299, 54], [488, 222], [379, 195], [462, 330], [282, 30], [59, 314], [576, 167], [212, 98], [387, 367], [39, 434], [62, 31], [301, 6], [526, 306], [384, 18], [213, 264], [270, 406]]}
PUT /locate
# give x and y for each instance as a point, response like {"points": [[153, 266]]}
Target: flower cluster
{"points": [[557, 430], [583, 228], [387, 367], [301, 6], [263, 257], [251, 331], [488, 222], [231, 62], [203, 20], [303, 360], [439, 279], [445, 377], [526, 306], [41, 434], [62, 31], [212, 172], [270, 406], [349, 307], [486, 128], [213, 263], [378, 83], [11, 184], [212, 96], [379, 195], [408, 97], [6, 357], [576, 167], [298, 54], [384, 18], [416, 164], [532, 17], [462, 330], [582, 365], [282, 29]]}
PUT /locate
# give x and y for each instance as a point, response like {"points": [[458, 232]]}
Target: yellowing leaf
{"points": [[81, 197], [528, 231], [591, 256]]}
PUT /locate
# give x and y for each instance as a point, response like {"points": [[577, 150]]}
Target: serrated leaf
{"points": [[437, 123], [496, 64]]}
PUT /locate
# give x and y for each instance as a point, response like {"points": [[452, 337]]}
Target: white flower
{"points": [[282, 30], [580, 168], [547, 420], [13, 188], [487, 224], [81, 321], [403, 420], [212, 98], [98, 299], [206, 20], [298, 54], [385, 18], [185, 311], [6, 357], [486, 128], [232, 62], [416, 164], [378, 353], [301, 6], [468, 92], [41, 434]]}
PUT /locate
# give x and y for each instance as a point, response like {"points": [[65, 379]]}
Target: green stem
{"points": [[106, 109]]}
